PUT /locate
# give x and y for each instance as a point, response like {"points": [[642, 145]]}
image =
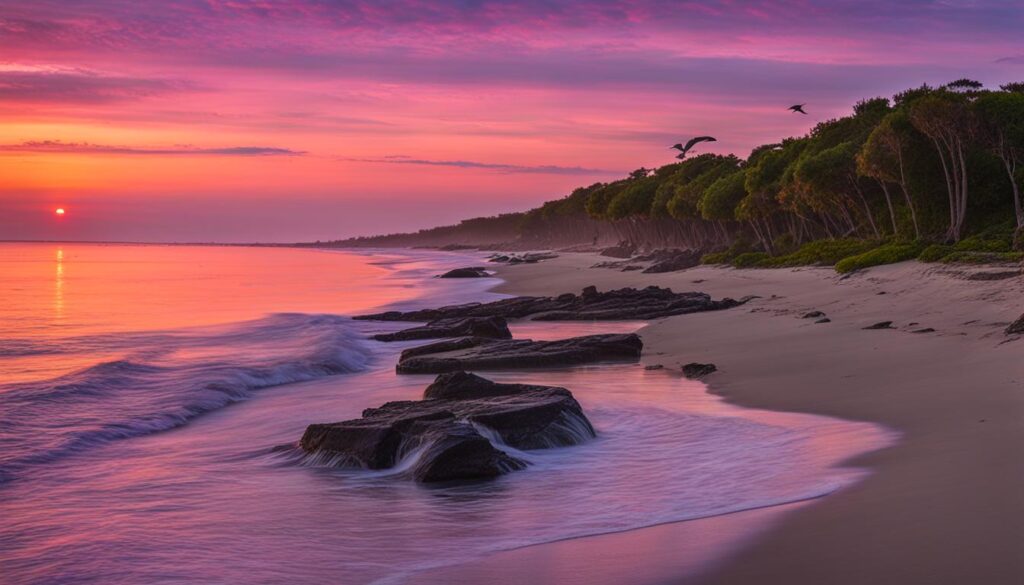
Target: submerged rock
{"points": [[473, 272], [478, 353], [445, 435], [695, 370], [626, 303], [490, 327]]}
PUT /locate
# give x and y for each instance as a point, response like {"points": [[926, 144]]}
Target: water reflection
{"points": [[58, 286]]}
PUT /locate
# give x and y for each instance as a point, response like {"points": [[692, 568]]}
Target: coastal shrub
{"points": [[750, 260], [738, 247], [935, 253], [979, 244], [716, 258], [886, 254], [824, 252]]}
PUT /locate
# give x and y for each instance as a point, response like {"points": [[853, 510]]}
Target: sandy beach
{"points": [[941, 506]]}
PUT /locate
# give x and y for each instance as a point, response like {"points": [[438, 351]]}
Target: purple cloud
{"points": [[500, 167], [56, 146], [77, 86]]}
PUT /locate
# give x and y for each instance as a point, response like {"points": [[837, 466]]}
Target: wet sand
{"points": [[945, 505]]}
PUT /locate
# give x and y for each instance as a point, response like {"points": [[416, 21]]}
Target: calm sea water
{"points": [[144, 389]]}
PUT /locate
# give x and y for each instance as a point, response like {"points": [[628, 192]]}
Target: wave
{"points": [[164, 379]]}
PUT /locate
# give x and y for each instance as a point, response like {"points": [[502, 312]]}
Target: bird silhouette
{"points": [[683, 149], [798, 108]]}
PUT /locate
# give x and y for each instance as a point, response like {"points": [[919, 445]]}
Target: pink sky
{"points": [[227, 120]]}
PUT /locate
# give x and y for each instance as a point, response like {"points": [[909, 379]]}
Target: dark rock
{"points": [[492, 327], [925, 330], [632, 268], [619, 251], [824, 320], [527, 258], [463, 385], [446, 429], [627, 303], [813, 315], [880, 325], [695, 370], [1017, 327], [659, 255], [681, 261], [479, 353], [654, 367], [474, 272]]}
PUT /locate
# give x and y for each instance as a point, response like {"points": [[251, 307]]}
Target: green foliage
{"points": [[824, 252], [750, 260], [740, 246], [978, 244], [722, 196], [716, 258], [635, 199], [885, 254], [935, 253]]}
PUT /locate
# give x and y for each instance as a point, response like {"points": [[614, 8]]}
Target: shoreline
{"points": [[939, 506]]}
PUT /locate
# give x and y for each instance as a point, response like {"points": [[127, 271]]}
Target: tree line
{"points": [[931, 164]]}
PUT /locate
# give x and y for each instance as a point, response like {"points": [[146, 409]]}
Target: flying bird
{"points": [[693, 141], [798, 108]]}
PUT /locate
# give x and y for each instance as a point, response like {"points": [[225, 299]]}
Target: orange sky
{"points": [[215, 120]]}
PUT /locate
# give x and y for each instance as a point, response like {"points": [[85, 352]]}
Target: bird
{"points": [[798, 108], [690, 144]]}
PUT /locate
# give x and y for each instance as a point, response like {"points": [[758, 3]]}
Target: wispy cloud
{"points": [[499, 167], [48, 84], [57, 146]]}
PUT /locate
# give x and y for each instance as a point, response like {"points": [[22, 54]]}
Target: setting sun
{"points": [[60, 211]]}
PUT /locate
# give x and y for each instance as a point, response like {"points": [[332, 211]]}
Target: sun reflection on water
{"points": [[58, 286]]}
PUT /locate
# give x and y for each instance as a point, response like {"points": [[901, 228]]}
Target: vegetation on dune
{"points": [[934, 172]]}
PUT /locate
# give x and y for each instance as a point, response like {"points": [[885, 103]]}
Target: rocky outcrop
{"points": [[477, 353], [490, 327], [473, 272], [618, 251], [680, 260], [622, 304], [696, 370], [880, 325], [1017, 327], [445, 435], [525, 258]]}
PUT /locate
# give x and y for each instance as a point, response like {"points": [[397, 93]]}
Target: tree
{"points": [[881, 157], [1001, 128], [945, 119], [722, 196]]}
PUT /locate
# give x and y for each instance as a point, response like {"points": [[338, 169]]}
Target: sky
{"points": [[267, 120]]}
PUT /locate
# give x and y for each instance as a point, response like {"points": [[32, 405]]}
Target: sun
{"points": [[60, 211]]}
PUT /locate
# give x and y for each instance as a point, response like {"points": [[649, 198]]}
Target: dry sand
{"points": [[945, 505]]}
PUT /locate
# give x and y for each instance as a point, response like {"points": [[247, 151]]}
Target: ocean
{"points": [[151, 397]]}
